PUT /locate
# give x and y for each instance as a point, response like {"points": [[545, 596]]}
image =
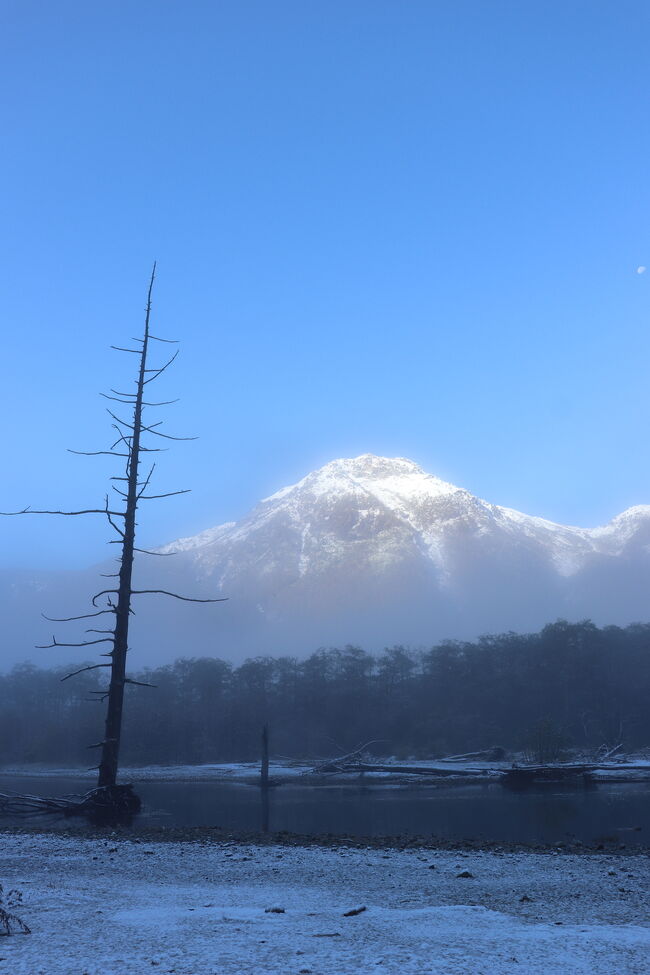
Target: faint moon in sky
{"points": [[641, 269]]}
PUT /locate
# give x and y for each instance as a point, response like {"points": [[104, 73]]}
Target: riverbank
{"points": [[388, 771], [81, 828], [119, 906]]}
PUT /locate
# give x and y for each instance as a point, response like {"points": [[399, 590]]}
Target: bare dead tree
{"points": [[116, 602]]}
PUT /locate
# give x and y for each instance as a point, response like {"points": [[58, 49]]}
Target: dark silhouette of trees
{"points": [[584, 686]]}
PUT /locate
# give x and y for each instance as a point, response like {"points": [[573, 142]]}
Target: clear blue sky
{"points": [[410, 228]]}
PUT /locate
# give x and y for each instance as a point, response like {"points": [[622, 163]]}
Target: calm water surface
{"points": [[548, 814]]}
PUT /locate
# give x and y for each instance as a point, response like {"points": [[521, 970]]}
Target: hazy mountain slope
{"points": [[373, 550]]}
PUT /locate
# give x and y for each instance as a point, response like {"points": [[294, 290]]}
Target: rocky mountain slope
{"points": [[378, 511]]}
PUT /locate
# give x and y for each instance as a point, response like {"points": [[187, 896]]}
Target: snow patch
{"points": [[124, 908]]}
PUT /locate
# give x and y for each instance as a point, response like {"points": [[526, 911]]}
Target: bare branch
{"points": [[104, 592], [117, 399], [121, 439], [117, 419], [157, 338], [118, 348], [146, 481], [84, 643], [138, 683], [168, 494], [111, 522], [97, 453], [167, 436], [164, 592], [86, 511], [119, 393], [130, 402], [146, 551], [70, 619], [83, 670], [157, 372]]}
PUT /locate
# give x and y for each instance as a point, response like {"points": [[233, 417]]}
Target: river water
{"points": [[549, 814]]}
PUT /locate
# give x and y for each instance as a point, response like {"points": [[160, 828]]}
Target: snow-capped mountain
{"points": [[374, 550], [377, 512]]}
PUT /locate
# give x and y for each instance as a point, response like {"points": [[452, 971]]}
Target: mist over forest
{"points": [[587, 686]]}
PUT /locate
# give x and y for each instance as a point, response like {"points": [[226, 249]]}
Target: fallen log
{"points": [[495, 754], [330, 765], [522, 775], [350, 768], [517, 776], [117, 803], [602, 756], [419, 770]]}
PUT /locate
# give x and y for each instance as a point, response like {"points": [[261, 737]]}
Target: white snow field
{"points": [[116, 906]]}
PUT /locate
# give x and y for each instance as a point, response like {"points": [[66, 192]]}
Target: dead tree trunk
{"points": [[128, 445], [111, 744]]}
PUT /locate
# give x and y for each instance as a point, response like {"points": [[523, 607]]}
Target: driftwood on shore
{"points": [[495, 754], [116, 803], [359, 762], [417, 769], [524, 774]]}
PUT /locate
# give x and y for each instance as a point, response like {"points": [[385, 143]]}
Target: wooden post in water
{"points": [[264, 775]]}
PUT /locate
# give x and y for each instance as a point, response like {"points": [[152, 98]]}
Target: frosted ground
{"points": [[250, 771], [120, 907]]}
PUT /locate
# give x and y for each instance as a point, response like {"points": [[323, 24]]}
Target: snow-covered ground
{"points": [[237, 770], [246, 771], [123, 907], [165, 773]]}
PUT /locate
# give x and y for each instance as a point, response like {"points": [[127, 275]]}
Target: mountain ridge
{"points": [[370, 551], [404, 487]]}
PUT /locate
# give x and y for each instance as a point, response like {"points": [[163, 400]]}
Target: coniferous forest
{"points": [[587, 686]]}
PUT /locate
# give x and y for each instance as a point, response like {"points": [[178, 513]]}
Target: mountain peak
{"points": [[372, 465], [390, 479]]}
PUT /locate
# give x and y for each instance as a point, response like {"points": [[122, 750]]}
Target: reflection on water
{"points": [[549, 814]]}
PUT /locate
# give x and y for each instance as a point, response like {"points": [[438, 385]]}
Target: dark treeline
{"points": [[590, 685]]}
